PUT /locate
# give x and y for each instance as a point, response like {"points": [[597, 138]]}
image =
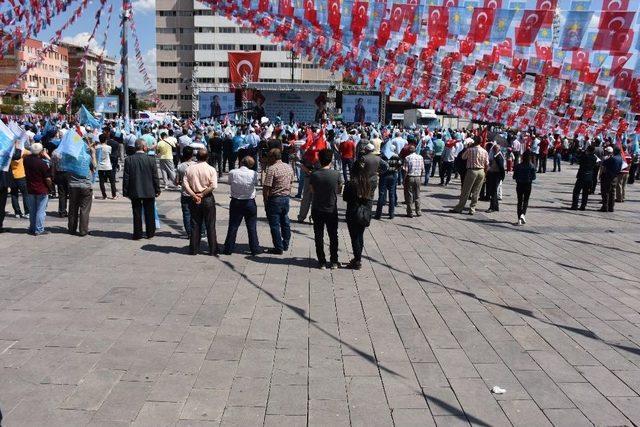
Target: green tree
{"points": [[12, 105], [44, 108], [82, 96]]}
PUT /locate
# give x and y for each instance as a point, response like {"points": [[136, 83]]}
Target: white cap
{"points": [[264, 120], [369, 147], [609, 149], [36, 148]]}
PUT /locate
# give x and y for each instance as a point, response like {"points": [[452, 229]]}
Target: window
{"points": [[205, 30], [248, 47], [206, 64], [268, 80], [309, 66], [269, 64], [206, 12], [166, 12], [166, 47], [168, 96], [185, 47], [185, 13], [227, 30], [246, 30], [207, 80], [185, 97], [206, 46], [166, 30], [285, 64], [224, 80], [167, 80], [187, 30], [168, 64], [186, 64], [227, 46], [223, 63], [268, 47]]}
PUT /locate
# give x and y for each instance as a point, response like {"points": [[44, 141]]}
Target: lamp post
{"points": [[293, 57]]}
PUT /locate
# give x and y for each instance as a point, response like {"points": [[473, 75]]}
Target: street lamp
{"points": [[293, 57]]}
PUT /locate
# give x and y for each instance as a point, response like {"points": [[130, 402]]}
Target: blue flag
{"points": [[575, 27], [86, 118], [501, 24]]}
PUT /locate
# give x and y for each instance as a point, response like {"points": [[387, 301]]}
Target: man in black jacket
{"points": [[584, 180], [141, 185]]}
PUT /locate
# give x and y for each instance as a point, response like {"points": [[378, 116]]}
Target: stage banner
{"points": [[106, 104], [363, 107], [244, 64], [216, 104], [290, 106]]}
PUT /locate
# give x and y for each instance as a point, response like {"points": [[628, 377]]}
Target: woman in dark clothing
{"points": [[495, 175], [356, 194], [524, 173]]}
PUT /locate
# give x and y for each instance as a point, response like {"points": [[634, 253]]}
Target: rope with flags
{"points": [[83, 61], [481, 61], [103, 49]]}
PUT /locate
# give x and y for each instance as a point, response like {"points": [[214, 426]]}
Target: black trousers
{"points": [[215, 160], [445, 172], [523, 190], [582, 185], [330, 221], [356, 233], [137, 205], [226, 162], [633, 170], [542, 163], [608, 191], [19, 186], [594, 183], [105, 176], [3, 202], [493, 179], [436, 162], [203, 215], [80, 200], [62, 182]]}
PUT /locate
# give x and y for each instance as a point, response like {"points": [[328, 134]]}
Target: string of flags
{"points": [[83, 60], [103, 50], [569, 66]]}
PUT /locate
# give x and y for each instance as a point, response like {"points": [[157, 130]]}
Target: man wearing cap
{"points": [[413, 170], [39, 183], [477, 163], [374, 166]]}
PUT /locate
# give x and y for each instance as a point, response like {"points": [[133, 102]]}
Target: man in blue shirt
{"points": [[438, 149], [238, 142]]}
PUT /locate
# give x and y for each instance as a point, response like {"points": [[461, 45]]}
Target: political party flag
{"points": [[7, 146], [86, 118], [481, 24], [71, 144], [530, 25], [501, 24], [19, 133], [575, 27]]}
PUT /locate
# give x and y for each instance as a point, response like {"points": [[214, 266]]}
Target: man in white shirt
{"points": [[242, 183], [398, 143], [516, 148]]}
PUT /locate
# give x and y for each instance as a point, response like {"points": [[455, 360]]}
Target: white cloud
{"points": [[135, 77], [144, 6], [81, 39]]}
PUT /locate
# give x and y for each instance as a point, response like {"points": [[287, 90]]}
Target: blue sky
{"points": [[144, 15]]}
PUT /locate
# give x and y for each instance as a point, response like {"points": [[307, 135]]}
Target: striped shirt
{"points": [[414, 165], [476, 157]]}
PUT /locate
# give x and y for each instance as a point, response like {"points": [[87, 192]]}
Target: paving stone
{"points": [[445, 307], [597, 409]]}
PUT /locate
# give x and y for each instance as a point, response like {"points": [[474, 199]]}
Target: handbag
{"points": [[363, 213]]}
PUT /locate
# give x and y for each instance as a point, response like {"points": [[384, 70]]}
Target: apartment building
{"points": [[48, 81], [192, 41], [94, 67]]}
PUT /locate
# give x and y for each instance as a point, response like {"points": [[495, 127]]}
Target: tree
{"points": [[44, 108], [11, 105], [83, 96]]}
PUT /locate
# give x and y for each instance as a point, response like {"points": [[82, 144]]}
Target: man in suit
{"points": [[141, 185]]}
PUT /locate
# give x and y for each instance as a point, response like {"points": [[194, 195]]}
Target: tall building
{"points": [[48, 81], [190, 40], [94, 66]]}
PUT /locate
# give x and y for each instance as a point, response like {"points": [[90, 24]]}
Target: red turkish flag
{"points": [[543, 53], [579, 59], [359, 17], [397, 15], [310, 11], [618, 62], [586, 76], [623, 79], [493, 4], [450, 3], [617, 42], [505, 48], [547, 5], [438, 23], [285, 8], [530, 25], [384, 32], [467, 46], [613, 5], [334, 14], [481, 22], [243, 64], [615, 21]]}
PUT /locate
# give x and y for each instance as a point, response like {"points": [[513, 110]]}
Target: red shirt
{"points": [[37, 172], [544, 146], [347, 149]]}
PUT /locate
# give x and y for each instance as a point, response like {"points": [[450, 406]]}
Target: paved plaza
{"points": [[106, 331]]}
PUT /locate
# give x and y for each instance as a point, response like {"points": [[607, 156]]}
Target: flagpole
{"points": [[126, 6]]}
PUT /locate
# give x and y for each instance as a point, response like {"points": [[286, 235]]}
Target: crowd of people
{"points": [[327, 160]]}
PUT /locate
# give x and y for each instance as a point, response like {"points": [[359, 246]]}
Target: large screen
{"points": [[216, 104], [292, 106], [358, 108], [105, 104]]}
